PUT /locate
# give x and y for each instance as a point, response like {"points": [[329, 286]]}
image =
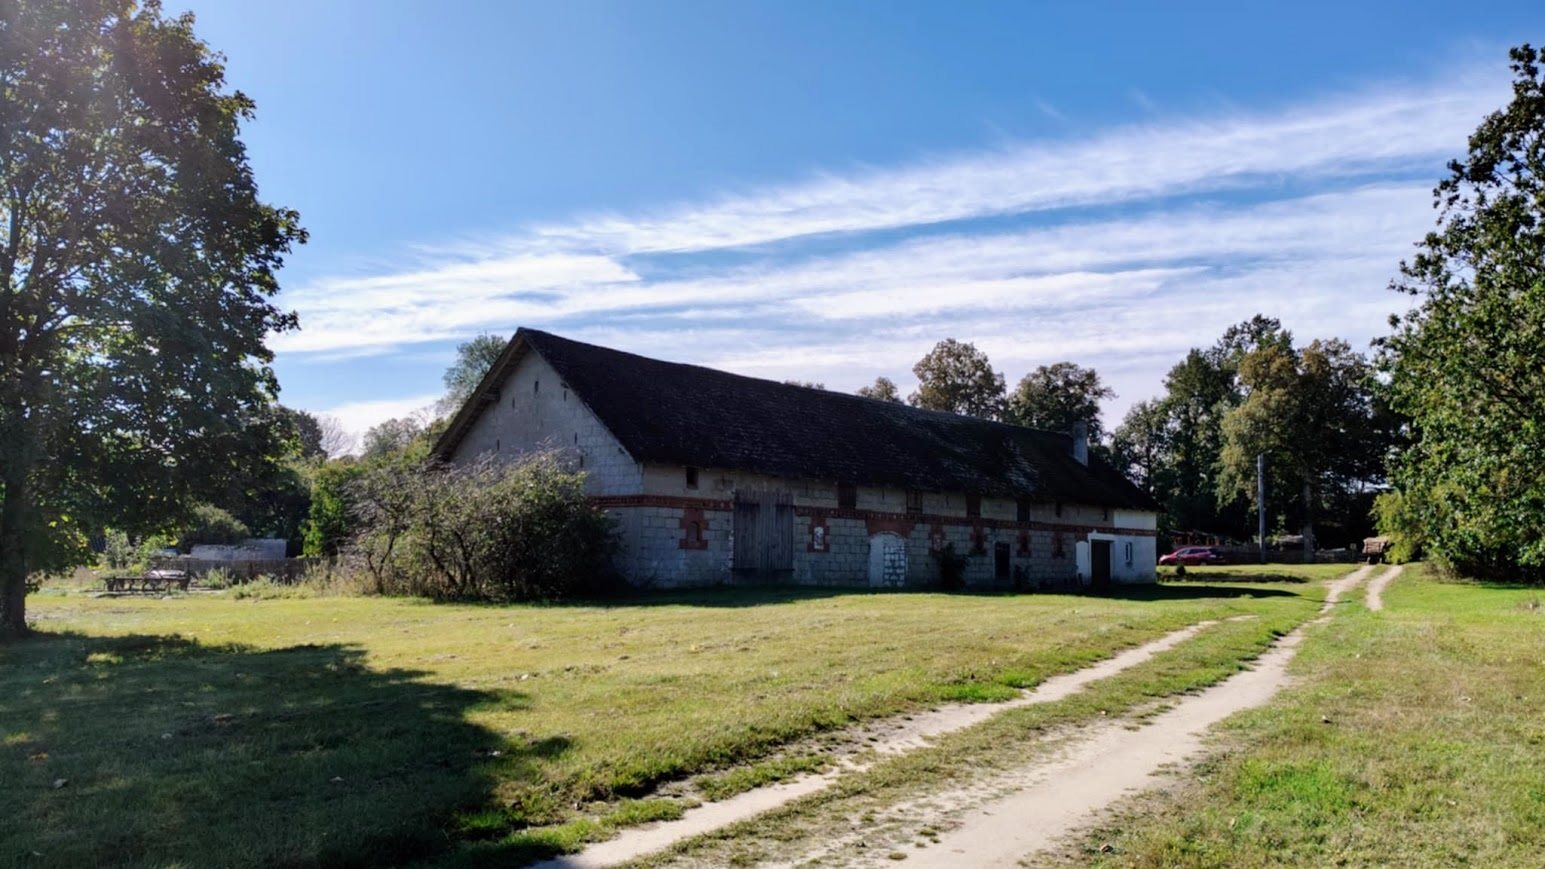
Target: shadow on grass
{"points": [[146, 750]]}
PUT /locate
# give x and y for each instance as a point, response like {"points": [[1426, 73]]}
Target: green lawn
{"points": [[1416, 737], [211, 729]]}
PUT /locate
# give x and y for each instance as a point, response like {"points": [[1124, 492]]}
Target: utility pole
{"points": [[1260, 501]]}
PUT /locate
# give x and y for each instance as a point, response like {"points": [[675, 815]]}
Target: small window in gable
{"points": [[847, 496], [1107, 514], [691, 478], [536, 386], [973, 505], [914, 501], [1022, 510], [1059, 508]]}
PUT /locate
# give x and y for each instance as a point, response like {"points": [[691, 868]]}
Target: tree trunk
{"points": [[13, 554], [1308, 523]]}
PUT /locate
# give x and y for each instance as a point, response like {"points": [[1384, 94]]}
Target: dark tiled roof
{"points": [[671, 413]]}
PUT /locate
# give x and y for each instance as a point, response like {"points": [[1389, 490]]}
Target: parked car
{"points": [[1191, 556]]}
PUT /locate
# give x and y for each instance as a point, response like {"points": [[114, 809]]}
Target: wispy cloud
{"points": [[1117, 249]]}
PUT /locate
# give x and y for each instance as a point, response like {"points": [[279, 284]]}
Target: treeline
{"points": [[1316, 413], [1467, 363]]}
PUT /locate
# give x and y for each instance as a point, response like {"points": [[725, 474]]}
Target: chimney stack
{"points": [[1081, 442]]}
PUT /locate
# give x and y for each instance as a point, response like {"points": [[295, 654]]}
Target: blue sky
{"points": [[821, 191]]}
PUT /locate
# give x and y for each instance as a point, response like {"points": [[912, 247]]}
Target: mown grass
{"points": [[864, 801], [1416, 737], [211, 730]]}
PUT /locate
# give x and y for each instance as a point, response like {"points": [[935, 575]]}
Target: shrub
{"points": [[482, 531], [212, 526]]}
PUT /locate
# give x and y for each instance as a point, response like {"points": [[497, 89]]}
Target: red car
{"points": [[1192, 556]]}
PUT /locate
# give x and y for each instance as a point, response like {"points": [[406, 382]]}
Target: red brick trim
{"points": [[1024, 542], [896, 523], [689, 517], [607, 502], [875, 519]]}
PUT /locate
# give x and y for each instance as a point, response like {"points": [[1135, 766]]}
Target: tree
{"points": [[1053, 397], [883, 389], [474, 358], [332, 519], [335, 440], [137, 268], [955, 377], [1179, 438], [1465, 364], [211, 525], [1141, 443], [308, 432], [391, 436], [1312, 413]]}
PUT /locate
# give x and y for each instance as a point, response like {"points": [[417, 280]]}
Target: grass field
{"points": [[210, 729], [1416, 737]]}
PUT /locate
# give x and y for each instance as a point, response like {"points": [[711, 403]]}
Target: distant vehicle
{"points": [[165, 552], [1192, 556]]}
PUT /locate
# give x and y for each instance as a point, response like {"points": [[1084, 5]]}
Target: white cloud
{"points": [[1120, 250], [358, 417]]}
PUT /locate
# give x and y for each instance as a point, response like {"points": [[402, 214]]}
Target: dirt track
{"points": [[1047, 800], [1375, 599], [887, 737], [1064, 794]]}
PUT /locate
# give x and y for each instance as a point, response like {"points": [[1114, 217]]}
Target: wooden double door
{"points": [[764, 536]]}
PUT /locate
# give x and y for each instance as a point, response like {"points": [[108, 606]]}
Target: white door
{"points": [[887, 561]]}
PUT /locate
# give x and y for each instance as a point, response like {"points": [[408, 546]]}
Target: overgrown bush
{"points": [[483, 531], [212, 526]]}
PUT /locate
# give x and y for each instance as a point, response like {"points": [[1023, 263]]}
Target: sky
{"points": [[822, 191]]}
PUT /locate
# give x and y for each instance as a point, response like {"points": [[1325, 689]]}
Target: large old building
{"points": [[713, 477]]}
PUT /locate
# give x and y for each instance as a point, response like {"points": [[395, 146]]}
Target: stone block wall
{"points": [[536, 411]]}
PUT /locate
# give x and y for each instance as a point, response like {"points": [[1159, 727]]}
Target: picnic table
{"points": [[150, 581]]}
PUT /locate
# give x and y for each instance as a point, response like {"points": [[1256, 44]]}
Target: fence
{"points": [[281, 569], [1252, 555]]}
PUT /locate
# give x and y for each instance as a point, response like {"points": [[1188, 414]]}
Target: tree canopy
{"points": [[473, 360], [883, 389], [958, 378], [1467, 364], [137, 268], [1053, 397]]}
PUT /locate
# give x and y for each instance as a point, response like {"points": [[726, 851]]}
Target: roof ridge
{"points": [[898, 405]]}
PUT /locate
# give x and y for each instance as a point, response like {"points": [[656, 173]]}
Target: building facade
{"points": [[714, 478]]}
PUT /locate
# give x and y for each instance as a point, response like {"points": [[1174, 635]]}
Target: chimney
{"points": [[1081, 442]]}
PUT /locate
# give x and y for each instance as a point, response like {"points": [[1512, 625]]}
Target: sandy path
{"points": [[886, 737], [1063, 795], [1375, 599]]}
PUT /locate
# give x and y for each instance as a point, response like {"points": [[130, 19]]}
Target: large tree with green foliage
{"points": [[137, 268], [1467, 364], [474, 359], [1054, 397], [958, 378], [1172, 445], [1313, 414]]}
